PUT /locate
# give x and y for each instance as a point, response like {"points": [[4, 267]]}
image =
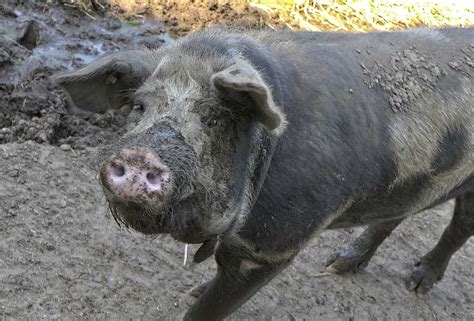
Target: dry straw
{"points": [[363, 15]]}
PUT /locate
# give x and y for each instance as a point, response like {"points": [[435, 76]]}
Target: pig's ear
{"points": [[242, 82], [107, 82]]}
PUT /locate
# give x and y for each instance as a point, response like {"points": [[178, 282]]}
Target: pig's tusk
{"points": [[185, 254]]}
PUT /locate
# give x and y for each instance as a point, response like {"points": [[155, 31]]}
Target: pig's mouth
{"points": [[181, 212], [149, 212], [183, 221], [140, 218]]}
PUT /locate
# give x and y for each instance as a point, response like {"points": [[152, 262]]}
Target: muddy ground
{"points": [[62, 256]]}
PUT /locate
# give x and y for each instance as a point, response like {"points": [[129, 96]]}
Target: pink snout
{"points": [[136, 174]]}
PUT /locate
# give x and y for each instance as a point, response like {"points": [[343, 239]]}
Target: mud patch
{"points": [[409, 74], [464, 63], [35, 45], [182, 17]]}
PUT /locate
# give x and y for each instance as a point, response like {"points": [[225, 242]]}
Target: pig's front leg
{"points": [[236, 281]]}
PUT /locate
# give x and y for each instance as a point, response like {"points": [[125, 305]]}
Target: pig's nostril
{"points": [[118, 170], [152, 178]]}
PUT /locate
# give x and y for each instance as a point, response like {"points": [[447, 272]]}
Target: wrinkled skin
{"points": [[272, 137]]}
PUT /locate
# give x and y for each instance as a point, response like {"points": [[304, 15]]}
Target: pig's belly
{"points": [[401, 202]]}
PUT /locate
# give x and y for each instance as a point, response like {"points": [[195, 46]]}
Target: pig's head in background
{"points": [[183, 166]]}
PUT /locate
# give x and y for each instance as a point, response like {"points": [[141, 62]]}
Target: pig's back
{"points": [[379, 123]]}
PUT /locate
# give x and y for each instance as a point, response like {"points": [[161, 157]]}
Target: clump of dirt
{"points": [[409, 74], [33, 46], [464, 63]]}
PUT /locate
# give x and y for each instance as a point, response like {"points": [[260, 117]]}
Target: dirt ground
{"points": [[182, 17], [63, 257]]}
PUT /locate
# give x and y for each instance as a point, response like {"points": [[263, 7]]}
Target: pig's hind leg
{"points": [[430, 269], [356, 255]]}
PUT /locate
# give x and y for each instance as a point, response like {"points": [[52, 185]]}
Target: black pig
{"points": [[254, 142]]}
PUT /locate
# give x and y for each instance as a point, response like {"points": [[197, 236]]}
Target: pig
{"points": [[254, 142]]}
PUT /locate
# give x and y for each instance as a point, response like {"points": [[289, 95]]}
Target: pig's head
{"points": [[180, 167]]}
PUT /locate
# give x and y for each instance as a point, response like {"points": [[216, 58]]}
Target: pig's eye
{"points": [[139, 107], [212, 123]]}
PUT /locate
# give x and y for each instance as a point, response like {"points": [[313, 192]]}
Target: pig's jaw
{"points": [[184, 221], [144, 219]]}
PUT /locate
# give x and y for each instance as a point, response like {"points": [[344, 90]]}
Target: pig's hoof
{"points": [[423, 278], [347, 261], [199, 290]]}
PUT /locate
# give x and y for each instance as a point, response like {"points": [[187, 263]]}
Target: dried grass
{"points": [[364, 15]]}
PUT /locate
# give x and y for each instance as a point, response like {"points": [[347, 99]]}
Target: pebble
{"points": [[65, 147], [62, 204]]}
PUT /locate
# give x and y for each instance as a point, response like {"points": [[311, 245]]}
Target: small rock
{"points": [[320, 301], [4, 57], [14, 173], [65, 147], [31, 36], [41, 137], [8, 12]]}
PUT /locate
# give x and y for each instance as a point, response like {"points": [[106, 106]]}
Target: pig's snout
{"points": [[123, 175], [136, 174]]}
